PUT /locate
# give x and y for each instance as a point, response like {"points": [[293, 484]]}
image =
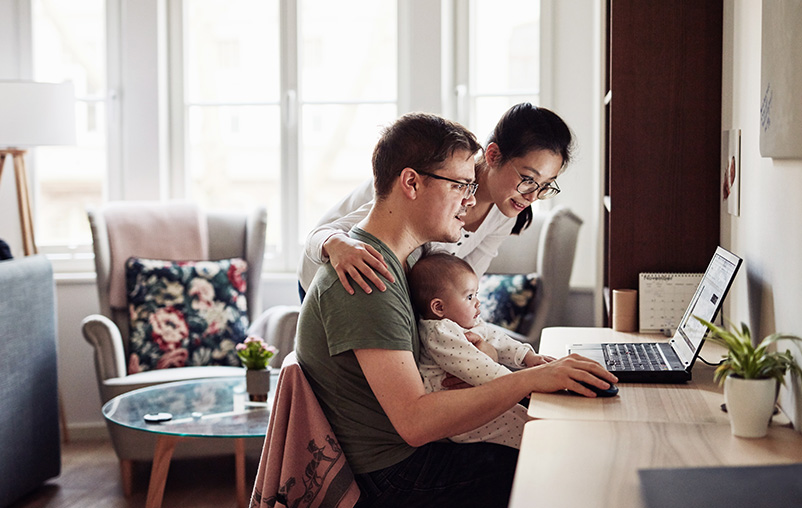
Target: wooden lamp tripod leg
{"points": [[24, 201]]}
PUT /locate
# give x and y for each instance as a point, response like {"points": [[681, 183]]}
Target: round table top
{"points": [[212, 407]]}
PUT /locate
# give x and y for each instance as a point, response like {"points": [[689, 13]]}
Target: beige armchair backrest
{"points": [[230, 234], [547, 247]]}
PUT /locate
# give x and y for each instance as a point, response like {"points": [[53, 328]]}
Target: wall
{"points": [[575, 93], [767, 293]]}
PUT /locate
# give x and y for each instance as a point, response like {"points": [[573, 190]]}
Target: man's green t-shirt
{"points": [[332, 324]]}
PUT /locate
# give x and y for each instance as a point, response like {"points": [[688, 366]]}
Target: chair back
{"points": [[301, 444], [230, 234], [547, 248]]}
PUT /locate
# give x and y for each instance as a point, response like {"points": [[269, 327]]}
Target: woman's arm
{"points": [[329, 241]]}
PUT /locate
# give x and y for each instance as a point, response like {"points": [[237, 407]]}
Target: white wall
{"points": [[575, 93], [767, 294]]}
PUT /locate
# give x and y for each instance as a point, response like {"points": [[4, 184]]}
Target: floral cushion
{"points": [[506, 299], [185, 313]]}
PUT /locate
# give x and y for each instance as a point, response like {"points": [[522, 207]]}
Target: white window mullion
{"points": [[24, 38], [290, 118], [178, 178], [461, 63], [546, 53], [114, 177]]}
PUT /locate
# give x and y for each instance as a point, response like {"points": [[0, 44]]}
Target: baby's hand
{"points": [[482, 345], [534, 359], [452, 382]]}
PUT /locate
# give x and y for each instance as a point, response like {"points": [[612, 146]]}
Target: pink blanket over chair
{"points": [[302, 464], [167, 231]]}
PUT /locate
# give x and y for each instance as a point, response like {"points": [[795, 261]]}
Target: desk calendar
{"points": [[663, 298]]}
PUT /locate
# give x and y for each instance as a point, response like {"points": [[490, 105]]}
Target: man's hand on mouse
{"points": [[567, 372]]}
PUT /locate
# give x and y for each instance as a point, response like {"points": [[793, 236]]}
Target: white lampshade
{"points": [[36, 114]]}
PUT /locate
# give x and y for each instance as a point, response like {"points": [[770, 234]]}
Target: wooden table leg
{"points": [[127, 476], [165, 446], [239, 469]]}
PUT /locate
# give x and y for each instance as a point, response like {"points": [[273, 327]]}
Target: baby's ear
{"points": [[436, 306]]}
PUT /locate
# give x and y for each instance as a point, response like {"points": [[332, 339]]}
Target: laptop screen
{"points": [[705, 303]]}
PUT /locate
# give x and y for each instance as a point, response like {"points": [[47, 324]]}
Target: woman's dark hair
{"points": [[524, 128]]}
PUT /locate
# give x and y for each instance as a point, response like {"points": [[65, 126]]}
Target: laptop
{"points": [[670, 362]]}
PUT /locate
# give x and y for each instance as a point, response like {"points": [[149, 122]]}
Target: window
{"points": [[271, 102], [69, 44], [281, 106], [502, 65]]}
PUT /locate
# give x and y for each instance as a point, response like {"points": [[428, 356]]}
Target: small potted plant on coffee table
{"points": [[751, 375], [254, 354]]}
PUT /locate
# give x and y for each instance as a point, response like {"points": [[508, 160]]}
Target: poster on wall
{"points": [[781, 80], [731, 170]]}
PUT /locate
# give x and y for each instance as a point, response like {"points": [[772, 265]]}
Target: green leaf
{"points": [[748, 361]]}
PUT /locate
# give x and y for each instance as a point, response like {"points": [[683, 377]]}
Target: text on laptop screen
{"points": [[705, 304]]}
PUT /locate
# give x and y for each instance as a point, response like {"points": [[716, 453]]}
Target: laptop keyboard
{"points": [[634, 356]]}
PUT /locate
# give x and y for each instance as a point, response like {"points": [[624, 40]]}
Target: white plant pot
{"points": [[257, 384], [750, 404]]}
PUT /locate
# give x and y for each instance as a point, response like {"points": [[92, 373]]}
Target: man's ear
{"points": [[436, 306], [493, 154], [410, 182]]}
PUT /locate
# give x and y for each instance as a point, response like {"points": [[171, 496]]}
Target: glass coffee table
{"points": [[199, 408]]}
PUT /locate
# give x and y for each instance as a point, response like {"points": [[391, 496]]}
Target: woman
{"points": [[528, 149]]}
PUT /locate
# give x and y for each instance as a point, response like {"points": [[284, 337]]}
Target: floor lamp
{"points": [[33, 114]]}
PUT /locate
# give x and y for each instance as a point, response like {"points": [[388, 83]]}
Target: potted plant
{"points": [[751, 375], [254, 354]]}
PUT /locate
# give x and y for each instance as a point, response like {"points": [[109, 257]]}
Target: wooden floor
{"points": [[90, 478]]}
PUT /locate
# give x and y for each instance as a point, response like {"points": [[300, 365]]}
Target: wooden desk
{"points": [[575, 464], [581, 452], [698, 401]]}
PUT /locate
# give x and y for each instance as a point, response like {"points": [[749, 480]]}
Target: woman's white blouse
{"points": [[478, 248]]}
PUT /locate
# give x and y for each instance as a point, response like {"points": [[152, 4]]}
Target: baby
{"points": [[454, 340]]}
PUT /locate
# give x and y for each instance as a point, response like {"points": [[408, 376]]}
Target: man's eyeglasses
{"points": [[528, 186], [467, 189]]}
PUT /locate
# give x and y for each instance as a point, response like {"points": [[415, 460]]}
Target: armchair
{"points": [[546, 248], [228, 235]]}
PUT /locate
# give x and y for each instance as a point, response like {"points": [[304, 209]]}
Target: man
{"points": [[360, 351]]}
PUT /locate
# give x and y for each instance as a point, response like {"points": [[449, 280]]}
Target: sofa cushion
{"points": [[506, 299], [185, 313]]}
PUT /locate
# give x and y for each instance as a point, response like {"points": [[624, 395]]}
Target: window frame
{"points": [[171, 181]]}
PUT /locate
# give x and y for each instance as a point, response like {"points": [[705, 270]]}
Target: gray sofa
{"points": [[30, 453]]}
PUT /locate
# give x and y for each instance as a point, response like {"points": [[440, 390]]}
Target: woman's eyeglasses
{"points": [[529, 185], [467, 189]]}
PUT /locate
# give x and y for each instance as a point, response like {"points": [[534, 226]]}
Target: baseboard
{"points": [[87, 432]]}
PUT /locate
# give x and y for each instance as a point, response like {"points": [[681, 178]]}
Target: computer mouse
{"points": [[609, 392]]}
